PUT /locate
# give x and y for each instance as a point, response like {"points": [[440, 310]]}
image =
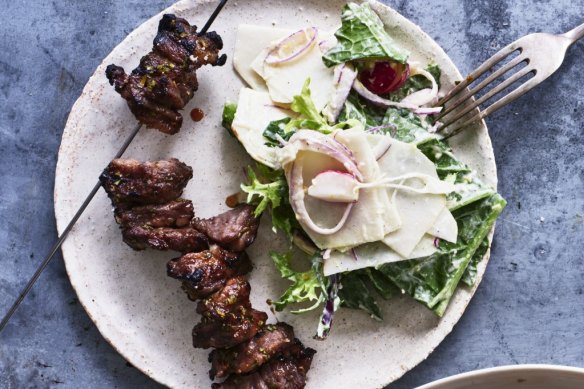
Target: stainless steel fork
{"points": [[542, 54]]}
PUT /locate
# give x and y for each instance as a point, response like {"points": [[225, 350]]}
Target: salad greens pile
{"points": [[475, 206]]}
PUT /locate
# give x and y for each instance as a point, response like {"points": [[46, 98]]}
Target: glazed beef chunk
{"points": [[166, 78], [227, 317], [206, 272], [183, 240], [177, 213], [248, 356], [285, 371], [129, 182], [233, 230]]}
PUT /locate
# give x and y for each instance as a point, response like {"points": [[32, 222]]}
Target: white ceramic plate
{"points": [[515, 377], [141, 311]]}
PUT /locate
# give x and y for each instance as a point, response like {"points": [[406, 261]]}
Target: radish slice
{"points": [[296, 182], [344, 76], [292, 46], [334, 186]]}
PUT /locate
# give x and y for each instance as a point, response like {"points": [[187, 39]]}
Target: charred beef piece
{"points": [[248, 356], [227, 317], [206, 272], [285, 371], [177, 213], [129, 182], [183, 240], [233, 230], [166, 79]]}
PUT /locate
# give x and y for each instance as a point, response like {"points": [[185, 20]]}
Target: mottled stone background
{"points": [[530, 306]]}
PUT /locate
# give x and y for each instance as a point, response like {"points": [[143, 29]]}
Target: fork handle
{"points": [[575, 34]]}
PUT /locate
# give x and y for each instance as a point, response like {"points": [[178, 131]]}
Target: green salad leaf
{"points": [[270, 191], [276, 131], [381, 283], [303, 105], [228, 116], [362, 36], [355, 294], [470, 275], [407, 126], [356, 109], [306, 286]]}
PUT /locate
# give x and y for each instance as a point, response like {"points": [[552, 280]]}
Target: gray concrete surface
{"points": [[530, 306]]}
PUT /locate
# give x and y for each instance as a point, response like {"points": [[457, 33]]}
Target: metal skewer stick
{"points": [[88, 200]]}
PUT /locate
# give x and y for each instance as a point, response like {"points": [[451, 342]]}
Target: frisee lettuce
{"points": [[362, 36], [306, 286], [270, 191]]}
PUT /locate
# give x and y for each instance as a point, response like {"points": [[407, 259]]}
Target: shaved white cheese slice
{"points": [[425, 247], [373, 255], [445, 227], [285, 80], [371, 218], [249, 43], [367, 255], [417, 211], [418, 214], [255, 110]]}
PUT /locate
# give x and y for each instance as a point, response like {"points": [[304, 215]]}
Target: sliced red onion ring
{"points": [[309, 140], [296, 182], [424, 96], [344, 76], [379, 101], [296, 39], [428, 110]]}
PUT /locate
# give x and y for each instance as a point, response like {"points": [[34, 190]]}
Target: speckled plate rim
{"points": [[60, 176], [494, 375]]}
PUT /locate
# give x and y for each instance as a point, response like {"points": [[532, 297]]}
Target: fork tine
{"points": [[488, 64], [514, 95], [524, 71], [504, 69]]}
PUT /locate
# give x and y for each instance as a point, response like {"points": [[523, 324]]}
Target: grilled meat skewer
{"points": [[247, 351], [166, 78]]}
